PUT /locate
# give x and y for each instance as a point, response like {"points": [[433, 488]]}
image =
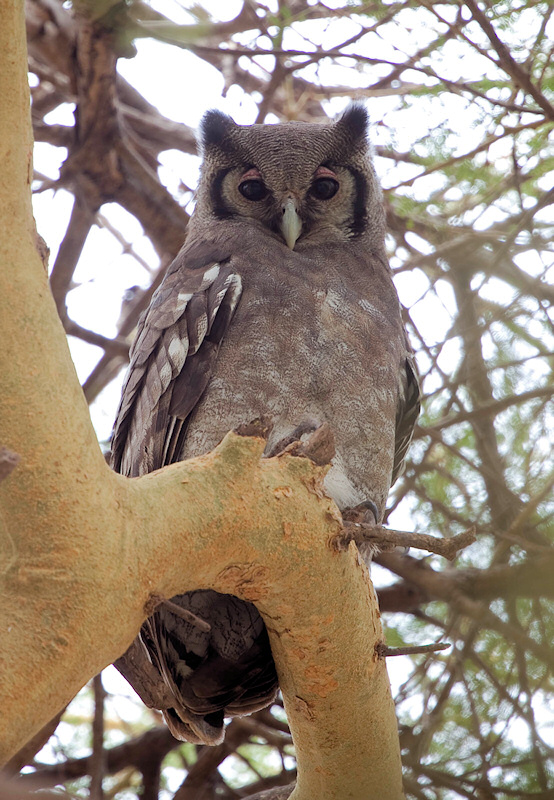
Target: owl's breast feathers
{"points": [[240, 328]]}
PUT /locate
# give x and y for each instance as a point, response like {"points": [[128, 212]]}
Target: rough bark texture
{"points": [[84, 549]]}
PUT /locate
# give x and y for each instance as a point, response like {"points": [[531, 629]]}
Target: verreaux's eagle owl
{"points": [[280, 305]]}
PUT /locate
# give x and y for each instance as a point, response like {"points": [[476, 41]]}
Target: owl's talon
{"points": [[361, 513], [357, 524], [284, 444], [319, 446], [259, 427], [341, 541]]}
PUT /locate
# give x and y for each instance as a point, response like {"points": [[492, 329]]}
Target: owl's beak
{"points": [[291, 224]]}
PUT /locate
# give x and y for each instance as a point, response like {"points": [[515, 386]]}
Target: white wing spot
{"points": [[201, 327], [177, 351], [182, 300], [210, 275], [236, 288], [165, 374]]}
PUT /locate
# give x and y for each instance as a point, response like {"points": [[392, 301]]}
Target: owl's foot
{"points": [[366, 513], [259, 427], [304, 429], [308, 440], [357, 524]]}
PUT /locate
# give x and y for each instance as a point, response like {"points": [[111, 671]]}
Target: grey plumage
{"points": [[280, 305]]}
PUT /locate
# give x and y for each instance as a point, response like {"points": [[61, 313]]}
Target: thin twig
{"points": [[386, 539], [116, 346], [383, 651], [505, 60], [97, 765]]}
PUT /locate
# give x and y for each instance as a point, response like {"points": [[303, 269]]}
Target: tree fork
{"points": [[85, 550]]}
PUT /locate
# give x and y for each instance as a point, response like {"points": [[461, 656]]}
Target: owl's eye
{"points": [[253, 190], [324, 188]]}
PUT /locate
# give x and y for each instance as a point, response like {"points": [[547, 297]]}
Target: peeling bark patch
{"points": [[304, 708], [247, 581], [8, 462], [58, 644], [314, 484], [42, 249], [322, 681], [324, 644], [379, 651], [282, 491]]}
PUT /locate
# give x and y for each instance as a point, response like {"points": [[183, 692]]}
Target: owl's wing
{"points": [[406, 415], [194, 676], [172, 359]]}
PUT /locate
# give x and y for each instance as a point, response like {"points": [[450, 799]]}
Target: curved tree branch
{"points": [[86, 549]]}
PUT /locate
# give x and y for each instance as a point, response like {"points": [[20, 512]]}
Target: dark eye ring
{"points": [[253, 190], [324, 188]]}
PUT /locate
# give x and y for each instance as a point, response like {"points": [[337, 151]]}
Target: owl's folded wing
{"points": [[171, 362], [406, 414]]}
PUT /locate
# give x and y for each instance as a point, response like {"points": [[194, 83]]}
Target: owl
{"points": [[280, 306]]}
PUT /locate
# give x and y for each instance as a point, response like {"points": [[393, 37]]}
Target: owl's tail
{"points": [[208, 674]]}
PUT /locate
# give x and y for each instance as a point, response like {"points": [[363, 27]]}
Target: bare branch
{"points": [[386, 539], [518, 73], [383, 651]]}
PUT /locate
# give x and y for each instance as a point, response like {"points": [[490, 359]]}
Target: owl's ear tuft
{"points": [[214, 128], [354, 123]]}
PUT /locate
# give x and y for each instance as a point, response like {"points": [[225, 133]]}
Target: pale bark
{"points": [[85, 549]]}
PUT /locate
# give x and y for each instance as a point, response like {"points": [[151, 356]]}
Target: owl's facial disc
{"points": [[299, 204], [291, 224]]}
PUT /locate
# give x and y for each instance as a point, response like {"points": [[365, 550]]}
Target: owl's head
{"points": [[303, 183]]}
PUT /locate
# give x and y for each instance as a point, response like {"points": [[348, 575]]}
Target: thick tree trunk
{"points": [[84, 550]]}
